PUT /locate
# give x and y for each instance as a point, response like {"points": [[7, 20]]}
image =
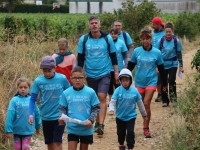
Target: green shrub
{"points": [[196, 61]]}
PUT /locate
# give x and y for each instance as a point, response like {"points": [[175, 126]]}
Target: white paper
{"points": [[180, 74], [68, 119]]}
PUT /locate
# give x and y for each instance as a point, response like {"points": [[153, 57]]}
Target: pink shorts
{"points": [[142, 90]]}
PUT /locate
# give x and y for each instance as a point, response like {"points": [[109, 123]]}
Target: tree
{"points": [[11, 4]]}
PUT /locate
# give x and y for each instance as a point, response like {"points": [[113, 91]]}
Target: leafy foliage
{"points": [[196, 61]]}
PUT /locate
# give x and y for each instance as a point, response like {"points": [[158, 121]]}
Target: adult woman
{"points": [[170, 48], [147, 58]]}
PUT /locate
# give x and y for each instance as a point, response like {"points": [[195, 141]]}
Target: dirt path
{"points": [[158, 124]]}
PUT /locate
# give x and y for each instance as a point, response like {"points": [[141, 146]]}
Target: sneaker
{"points": [[122, 147], [100, 129], [159, 98], [96, 126], [164, 105], [147, 133]]}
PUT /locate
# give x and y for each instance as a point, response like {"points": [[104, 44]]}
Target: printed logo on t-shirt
{"points": [[96, 51], [145, 62]]}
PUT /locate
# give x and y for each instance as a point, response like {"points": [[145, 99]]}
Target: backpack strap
{"points": [[106, 38], [161, 42], [84, 42], [175, 42], [125, 38]]}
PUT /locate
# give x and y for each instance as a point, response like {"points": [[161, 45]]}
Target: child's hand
{"points": [[88, 124], [145, 118], [8, 135], [38, 131], [30, 121], [60, 121], [111, 112]]}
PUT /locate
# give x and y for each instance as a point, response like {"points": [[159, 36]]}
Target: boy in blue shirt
{"points": [[50, 85], [124, 100], [79, 102]]}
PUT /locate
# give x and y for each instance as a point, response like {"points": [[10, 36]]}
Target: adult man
{"points": [[124, 36], [96, 49], [158, 33]]}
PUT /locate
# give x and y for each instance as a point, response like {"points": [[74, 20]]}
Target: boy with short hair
{"points": [[124, 100], [50, 85]]}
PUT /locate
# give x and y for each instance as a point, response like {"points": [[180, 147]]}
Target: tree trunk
{"points": [[10, 4]]}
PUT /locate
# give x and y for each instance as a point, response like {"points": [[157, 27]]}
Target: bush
{"points": [[187, 136], [196, 61], [188, 24]]}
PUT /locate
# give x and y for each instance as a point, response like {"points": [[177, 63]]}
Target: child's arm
{"points": [[9, 125], [95, 111], [142, 109], [31, 107], [62, 110], [37, 119], [112, 106]]}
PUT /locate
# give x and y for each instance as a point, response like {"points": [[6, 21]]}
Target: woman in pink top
{"points": [[65, 60]]}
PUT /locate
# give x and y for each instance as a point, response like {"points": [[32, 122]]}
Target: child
{"points": [[50, 85], [79, 102], [121, 52], [124, 99], [18, 115], [65, 60]]}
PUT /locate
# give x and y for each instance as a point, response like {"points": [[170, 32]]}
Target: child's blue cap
{"points": [[48, 62]]}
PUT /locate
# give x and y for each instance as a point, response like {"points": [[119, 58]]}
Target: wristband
{"points": [[116, 72]]}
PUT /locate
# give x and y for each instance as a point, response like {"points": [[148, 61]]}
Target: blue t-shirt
{"points": [[97, 59], [156, 36], [50, 91], [126, 102], [146, 62], [120, 48], [79, 105], [128, 38], [18, 116], [168, 52]]}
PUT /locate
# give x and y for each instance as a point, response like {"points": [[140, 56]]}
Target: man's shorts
{"points": [[52, 131], [99, 84], [83, 139], [142, 90]]}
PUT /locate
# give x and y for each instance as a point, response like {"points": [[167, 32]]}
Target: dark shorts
{"points": [[52, 131], [83, 139], [99, 84]]}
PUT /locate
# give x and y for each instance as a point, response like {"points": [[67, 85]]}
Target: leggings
{"points": [[171, 77], [22, 142]]}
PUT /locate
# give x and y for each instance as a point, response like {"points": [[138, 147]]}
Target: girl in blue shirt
{"points": [[18, 115], [147, 58], [121, 52], [79, 102], [171, 49]]}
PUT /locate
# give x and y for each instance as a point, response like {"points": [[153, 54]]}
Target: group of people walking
{"points": [[106, 62]]}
